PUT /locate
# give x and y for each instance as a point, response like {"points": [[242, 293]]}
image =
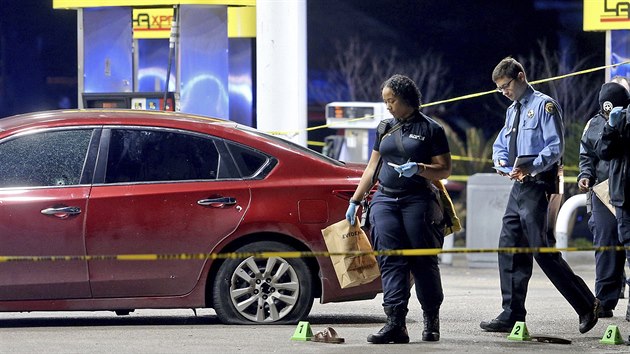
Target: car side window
{"points": [[44, 159], [249, 161], [138, 155]]}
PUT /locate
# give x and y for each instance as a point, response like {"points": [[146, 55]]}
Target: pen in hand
{"points": [[400, 173], [398, 168]]}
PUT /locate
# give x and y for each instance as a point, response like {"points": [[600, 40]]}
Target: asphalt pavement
{"points": [[471, 295]]}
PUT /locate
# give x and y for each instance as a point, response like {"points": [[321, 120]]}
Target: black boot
{"points": [[395, 331], [431, 331]]}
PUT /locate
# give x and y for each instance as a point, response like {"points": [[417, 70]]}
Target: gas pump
{"points": [[359, 121], [193, 56]]}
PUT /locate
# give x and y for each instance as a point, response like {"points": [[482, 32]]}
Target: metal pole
{"points": [[172, 44], [80, 58], [281, 68]]}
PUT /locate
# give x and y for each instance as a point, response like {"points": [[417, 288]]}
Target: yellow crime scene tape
{"points": [[455, 99], [460, 98], [300, 254]]}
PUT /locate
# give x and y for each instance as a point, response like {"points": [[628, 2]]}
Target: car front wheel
{"points": [[263, 290]]}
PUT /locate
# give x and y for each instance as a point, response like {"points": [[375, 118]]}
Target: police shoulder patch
{"points": [[550, 108]]}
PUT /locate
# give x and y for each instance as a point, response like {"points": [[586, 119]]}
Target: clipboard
{"points": [[525, 160], [520, 161]]}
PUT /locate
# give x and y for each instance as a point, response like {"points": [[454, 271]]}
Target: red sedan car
{"points": [[97, 184]]}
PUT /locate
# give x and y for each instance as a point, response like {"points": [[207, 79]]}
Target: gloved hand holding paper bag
{"points": [[352, 269]]}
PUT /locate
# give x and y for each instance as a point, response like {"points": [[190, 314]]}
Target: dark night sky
{"points": [[39, 42], [471, 36], [36, 42]]}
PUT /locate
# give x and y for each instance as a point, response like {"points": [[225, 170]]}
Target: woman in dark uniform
{"points": [[411, 150]]}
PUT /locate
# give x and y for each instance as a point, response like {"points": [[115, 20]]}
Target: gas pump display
{"points": [[133, 100], [359, 121]]}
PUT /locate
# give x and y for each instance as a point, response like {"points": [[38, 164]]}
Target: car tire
{"points": [[278, 291]]}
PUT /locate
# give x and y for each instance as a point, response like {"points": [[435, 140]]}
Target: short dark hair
{"points": [[508, 67], [404, 88]]}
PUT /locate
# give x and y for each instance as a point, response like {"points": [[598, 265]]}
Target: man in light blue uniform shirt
{"points": [[533, 126], [540, 132]]}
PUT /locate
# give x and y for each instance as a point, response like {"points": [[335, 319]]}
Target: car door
{"points": [[162, 192], [44, 188]]}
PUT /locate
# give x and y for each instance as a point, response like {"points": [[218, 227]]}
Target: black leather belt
{"points": [[394, 193], [529, 178], [398, 193], [548, 175]]}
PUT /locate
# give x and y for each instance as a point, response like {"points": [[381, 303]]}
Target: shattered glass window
{"points": [[53, 158], [137, 155]]}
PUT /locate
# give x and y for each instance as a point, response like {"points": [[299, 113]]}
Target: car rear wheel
{"points": [[260, 290]]}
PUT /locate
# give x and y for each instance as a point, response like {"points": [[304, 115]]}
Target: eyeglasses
{"points": [[504, 86]]}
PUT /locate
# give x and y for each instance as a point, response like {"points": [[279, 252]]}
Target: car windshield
{"points": [[290, 145]]}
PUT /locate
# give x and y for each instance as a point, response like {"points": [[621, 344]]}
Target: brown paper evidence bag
{"points": [[601, 191], [351, 269]]}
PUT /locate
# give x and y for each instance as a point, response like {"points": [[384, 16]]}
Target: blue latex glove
{"points": [[408, 169], [615, 116], [351, 213]]}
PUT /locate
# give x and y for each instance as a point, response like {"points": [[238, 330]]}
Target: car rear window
{"points": [[290, 145], [249, 161], [52, 158]]}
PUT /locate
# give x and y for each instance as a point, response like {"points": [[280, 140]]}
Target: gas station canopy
{"points": [[75, 4]]}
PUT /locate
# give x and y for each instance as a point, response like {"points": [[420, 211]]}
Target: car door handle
{"points": [[217, 202], [62, 212]]}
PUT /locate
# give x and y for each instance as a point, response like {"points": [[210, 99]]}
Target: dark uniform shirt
{"points": [[417, 140], [591, 166]]}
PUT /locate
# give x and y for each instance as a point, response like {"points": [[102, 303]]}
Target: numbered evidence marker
{"points": [[303, 331], [519, 332], [612, 336]]}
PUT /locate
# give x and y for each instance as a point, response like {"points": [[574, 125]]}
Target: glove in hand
{"points": [[615, 116], [351, 213], [408, 169]]}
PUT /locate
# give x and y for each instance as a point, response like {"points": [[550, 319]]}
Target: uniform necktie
{"points": [[512, 153]]}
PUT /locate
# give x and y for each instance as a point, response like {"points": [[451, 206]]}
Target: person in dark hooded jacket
{"points": [[615, 147], [609, 264]]}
